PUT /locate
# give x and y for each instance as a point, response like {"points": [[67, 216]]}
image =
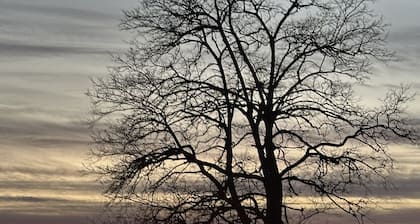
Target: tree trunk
{"points": [[273, 185], [274, 191]]}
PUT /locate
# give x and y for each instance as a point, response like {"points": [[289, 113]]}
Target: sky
{"points": [[49, 51]]}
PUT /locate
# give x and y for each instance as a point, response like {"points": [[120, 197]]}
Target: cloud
{"points": [[31, 50], [30, 199], [37, 171], [404, 41], [41, 219], [88, 186], [43, 137], [414, 86], [27, 209], [51, 28], [395, 216], [55, 11], [25, 132]]}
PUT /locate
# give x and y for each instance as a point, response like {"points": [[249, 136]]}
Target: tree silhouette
{"points": [[243, 111]]}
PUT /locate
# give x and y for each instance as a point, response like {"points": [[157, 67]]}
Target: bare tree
{"points": [[243, 111]]}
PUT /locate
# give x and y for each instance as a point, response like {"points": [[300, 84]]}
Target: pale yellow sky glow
{"points": [[49, 51]]}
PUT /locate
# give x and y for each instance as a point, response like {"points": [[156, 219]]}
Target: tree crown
{"points": [[229, 111]]}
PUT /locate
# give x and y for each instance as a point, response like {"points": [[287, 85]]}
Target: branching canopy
{"points": [[243, 111]]}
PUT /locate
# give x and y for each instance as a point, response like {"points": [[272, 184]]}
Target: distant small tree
{"points": [[243, 111]]}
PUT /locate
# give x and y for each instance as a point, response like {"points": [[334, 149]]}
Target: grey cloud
{"points": [[400, 185], [60, 93], [35, 93], [396, 189], [399, 12], [49, 212], [30, 199], [55, 32], [55, 142], [398, 216], [407, 35], [41, 219], [45, 76], [33, 130], [396, 86], [46, 29], [37, 171], [404, 41], [409, 187], [44, 9], [30, 50], [41, 128], [395, 216], [89, 187], [100, 6]]}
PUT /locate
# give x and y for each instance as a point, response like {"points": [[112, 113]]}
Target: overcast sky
{"points": [[49, 49]]}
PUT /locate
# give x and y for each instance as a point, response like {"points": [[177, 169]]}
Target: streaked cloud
{"points": [[89, 14], [48, 51], [38, 219], [26, 50], [29, 199]]}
